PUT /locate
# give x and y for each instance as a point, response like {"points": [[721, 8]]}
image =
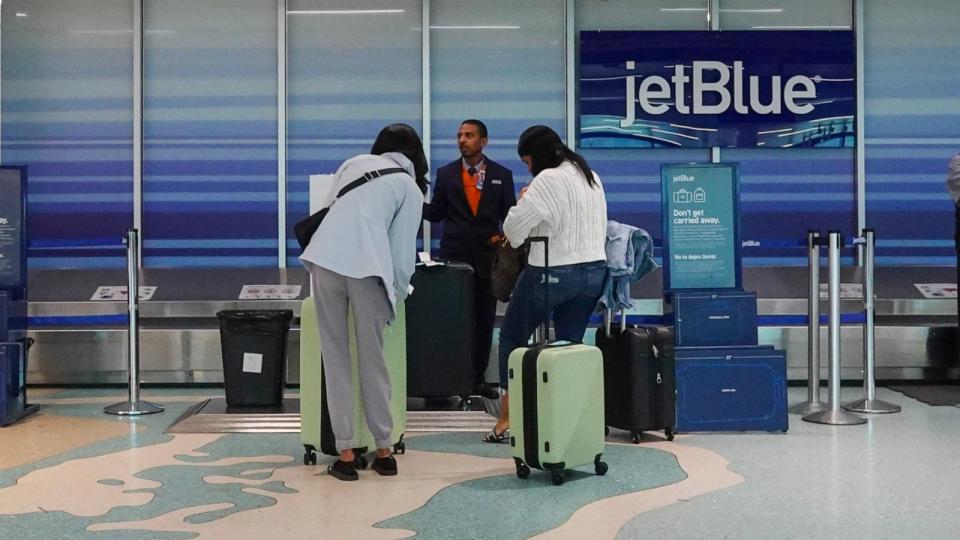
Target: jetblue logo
{"points": [[655, 93], [4, 221], [718, 317], [727, 390]]}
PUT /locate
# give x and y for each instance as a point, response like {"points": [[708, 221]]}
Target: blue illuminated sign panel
{"points": [[748, 89]]}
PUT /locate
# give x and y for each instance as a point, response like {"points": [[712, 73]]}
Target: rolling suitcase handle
{"points": [[608, 317], [545, 326]]}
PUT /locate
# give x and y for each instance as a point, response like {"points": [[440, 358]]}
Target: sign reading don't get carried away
{"points": [[701, 226]]}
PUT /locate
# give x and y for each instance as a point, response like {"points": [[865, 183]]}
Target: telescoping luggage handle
{"points": [[545, 326], [544, 342], [608, 317]]}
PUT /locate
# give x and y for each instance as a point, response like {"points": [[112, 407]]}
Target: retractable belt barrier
{"points": [[813, 403], [833, 414], [869, 404], [133, 406]]}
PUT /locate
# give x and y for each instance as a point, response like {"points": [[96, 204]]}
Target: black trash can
{"points": [[253, 344]]}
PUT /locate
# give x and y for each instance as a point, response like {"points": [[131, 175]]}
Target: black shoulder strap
{"points": [[366, 178]]}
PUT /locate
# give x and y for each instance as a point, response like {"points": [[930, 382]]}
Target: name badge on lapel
{"points": [[495, 182]]}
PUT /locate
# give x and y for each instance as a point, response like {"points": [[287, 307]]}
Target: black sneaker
{"points": [[343, 470], [385, 466]]}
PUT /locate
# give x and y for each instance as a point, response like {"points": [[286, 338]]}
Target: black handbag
{"points": [[508, 262], [306, 227]]}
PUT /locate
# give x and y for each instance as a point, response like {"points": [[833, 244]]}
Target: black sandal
{"points": [[496, 438]]}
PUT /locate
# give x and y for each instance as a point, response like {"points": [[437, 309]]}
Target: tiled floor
{"points": [[73, 472]]}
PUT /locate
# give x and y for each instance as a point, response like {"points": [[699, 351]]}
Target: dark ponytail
{"points": [[547, 151]]}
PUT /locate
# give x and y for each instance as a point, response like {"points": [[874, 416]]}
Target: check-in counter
{"points": [[79, 340]]}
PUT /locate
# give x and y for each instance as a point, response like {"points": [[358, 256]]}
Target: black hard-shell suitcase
{"points": [[440, 331], [639, 378]]}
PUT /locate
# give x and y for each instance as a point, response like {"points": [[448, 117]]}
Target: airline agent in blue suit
{"points": [[471, 197]]}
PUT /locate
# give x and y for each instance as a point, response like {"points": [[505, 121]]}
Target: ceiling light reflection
{"points": [[345, 11]]}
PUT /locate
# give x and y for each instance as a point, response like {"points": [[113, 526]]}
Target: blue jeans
{"points": [[574, 291]]}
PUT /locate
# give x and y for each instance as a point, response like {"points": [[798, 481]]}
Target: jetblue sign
{"points": [[728, 89]]}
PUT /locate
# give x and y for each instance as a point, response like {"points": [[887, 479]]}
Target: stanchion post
{"points": [[869, 404], [133, 406], [813, 403], [834, 415]]}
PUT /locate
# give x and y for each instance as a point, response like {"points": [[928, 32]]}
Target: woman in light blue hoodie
{"points": [[361, 258]]}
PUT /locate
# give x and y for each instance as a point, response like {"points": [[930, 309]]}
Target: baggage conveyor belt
{"points": [[80, 341]]}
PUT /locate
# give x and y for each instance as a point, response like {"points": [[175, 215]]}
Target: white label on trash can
{"points": [[252, 362]]}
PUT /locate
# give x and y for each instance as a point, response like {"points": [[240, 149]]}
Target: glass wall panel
{"points": [[502, 65], [785, 192], [912, 101], [67, 109], [631, 176], [210, 133], [645, 15], [353, 67], [781, 15]]}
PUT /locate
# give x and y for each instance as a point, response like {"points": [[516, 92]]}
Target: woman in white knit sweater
{"points": [[565, 203]]}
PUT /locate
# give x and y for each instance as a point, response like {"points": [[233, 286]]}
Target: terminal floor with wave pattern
{"points": [[73, 472]]}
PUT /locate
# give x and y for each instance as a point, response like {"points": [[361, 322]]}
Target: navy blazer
{"points": [[465, 236]]}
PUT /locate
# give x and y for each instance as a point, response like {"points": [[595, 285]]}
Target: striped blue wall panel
{"points": [[210, 121], [514, 80], [348, 76], [912, 93], [210, 133], [67, 110]]}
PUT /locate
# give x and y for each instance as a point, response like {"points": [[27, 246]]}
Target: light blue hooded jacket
{"points": [[371, 230]]}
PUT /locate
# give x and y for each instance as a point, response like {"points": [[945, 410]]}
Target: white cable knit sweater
{"points": [[560, 205]]}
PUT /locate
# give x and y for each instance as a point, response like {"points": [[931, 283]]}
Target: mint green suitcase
{"points": [[315, 430], [556, 408]]}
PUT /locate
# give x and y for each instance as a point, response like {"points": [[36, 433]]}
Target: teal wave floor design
{"points": [[494, 507], [506, 507], [182, 485]]}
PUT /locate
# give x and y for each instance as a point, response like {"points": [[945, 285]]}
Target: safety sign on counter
{"points": [[937, 290], [118, 293], [848, 291], [270, 292]]}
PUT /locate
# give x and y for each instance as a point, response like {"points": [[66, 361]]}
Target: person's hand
{"points": [[523, 191], [495, 240]]}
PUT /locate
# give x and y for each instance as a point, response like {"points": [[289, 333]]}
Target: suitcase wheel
{"points": [[600, 468], [522, 470], [400, 448], [557, 478], [309, 455], [635, 436], [670, 432], [465, 403]]}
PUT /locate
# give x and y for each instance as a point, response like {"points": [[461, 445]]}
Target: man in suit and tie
{"points": [[471, 197]]}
